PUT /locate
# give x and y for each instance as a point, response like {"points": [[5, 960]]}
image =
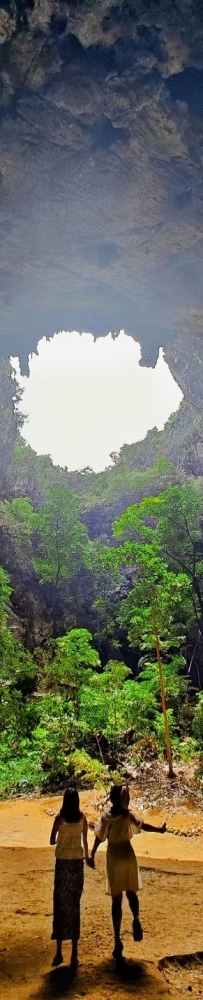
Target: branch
{"points": [[194, 651], [187, 529], [195, 585], [192, 542], [196, 615], [198, 592], [180, 563]]}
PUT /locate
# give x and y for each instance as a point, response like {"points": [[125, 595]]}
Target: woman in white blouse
{"points": [[69, 833]]}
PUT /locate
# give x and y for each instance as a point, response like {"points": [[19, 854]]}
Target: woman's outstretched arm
{"points": [[149, 828]]}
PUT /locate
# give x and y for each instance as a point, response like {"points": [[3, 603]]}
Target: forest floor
{"points": [[169, 961]]}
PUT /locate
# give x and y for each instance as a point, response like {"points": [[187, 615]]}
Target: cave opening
{"points": [[85, 398]]}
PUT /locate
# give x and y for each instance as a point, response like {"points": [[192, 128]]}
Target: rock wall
{"points": [[185, 360], [101, 191]]}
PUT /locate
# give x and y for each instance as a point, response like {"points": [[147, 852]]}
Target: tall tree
{"points": [[174, 519], [63, 549], [159, 600], [73, 664], [179, 531], [107, 582]]}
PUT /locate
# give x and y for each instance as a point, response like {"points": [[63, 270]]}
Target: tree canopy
{"points": [[101, 604]]}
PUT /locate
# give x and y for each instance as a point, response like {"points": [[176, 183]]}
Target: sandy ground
{"points": [[169, 961]]}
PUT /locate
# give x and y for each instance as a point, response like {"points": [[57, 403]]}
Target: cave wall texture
{"points": [[101, 175]]}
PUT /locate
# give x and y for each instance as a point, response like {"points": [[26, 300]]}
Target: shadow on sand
{"points": [[62, 981]]}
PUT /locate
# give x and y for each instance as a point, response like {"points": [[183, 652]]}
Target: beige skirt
{"points": [[122, 869]]}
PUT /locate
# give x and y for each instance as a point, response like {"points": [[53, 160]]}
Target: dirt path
{"points": [[171, 908]]}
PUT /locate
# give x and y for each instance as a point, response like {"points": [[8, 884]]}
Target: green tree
{"points": [[16, 665], [5, 593], [62, 545], [179, 513], [17, 677], [174, 521], [16, 531], [102, 701], [107, 581], [159, 600], [176, 688], [73, 664]]}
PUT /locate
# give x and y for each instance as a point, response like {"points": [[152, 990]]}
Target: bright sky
{"points": [[85, 399]]}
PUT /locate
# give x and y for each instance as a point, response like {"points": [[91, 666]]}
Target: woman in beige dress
{"points": [[118, 826]]}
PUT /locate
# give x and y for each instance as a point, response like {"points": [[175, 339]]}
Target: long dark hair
{"points": [[70, 811], [115, 799]]}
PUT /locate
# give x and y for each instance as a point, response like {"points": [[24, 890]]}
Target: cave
{"points": [[101, 194], [101, 221]]}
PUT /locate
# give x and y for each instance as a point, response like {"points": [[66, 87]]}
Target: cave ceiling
{"points": [[101, 175]]}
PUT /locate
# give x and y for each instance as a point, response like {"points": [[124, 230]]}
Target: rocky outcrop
{"points": [[185, 359], [101, 192]]}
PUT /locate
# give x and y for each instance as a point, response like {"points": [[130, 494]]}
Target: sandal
{"points": [[137, 930], [74, 964], [117, 952]]}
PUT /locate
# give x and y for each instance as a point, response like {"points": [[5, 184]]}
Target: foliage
{"points": [[172, 521], [158, 595], [176, 687], [107, 586], [20, 774], [157, 603], [14, 660], [105, 701], [74, 655], [179, 533], [187, 749], [5, 592], [145, 749], [88, 595], [198, 722], [85, 772], [61, 539]]}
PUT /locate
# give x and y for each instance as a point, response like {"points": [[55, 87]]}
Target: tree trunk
{"points": [[163, 698]]}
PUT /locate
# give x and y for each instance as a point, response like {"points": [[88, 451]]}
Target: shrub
{"points": [[198, 722], [19, 774], [187, 749], [145, 749], [85, 771]]}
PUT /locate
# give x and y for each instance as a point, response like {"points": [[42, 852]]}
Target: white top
{"points": [[117, 829], [122, 868], [69, 840]]}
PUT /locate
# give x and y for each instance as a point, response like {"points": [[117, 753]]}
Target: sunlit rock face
{"points": [[101, 182]]}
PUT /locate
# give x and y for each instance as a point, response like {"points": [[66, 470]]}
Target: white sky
{"points": [[85, 399]]}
